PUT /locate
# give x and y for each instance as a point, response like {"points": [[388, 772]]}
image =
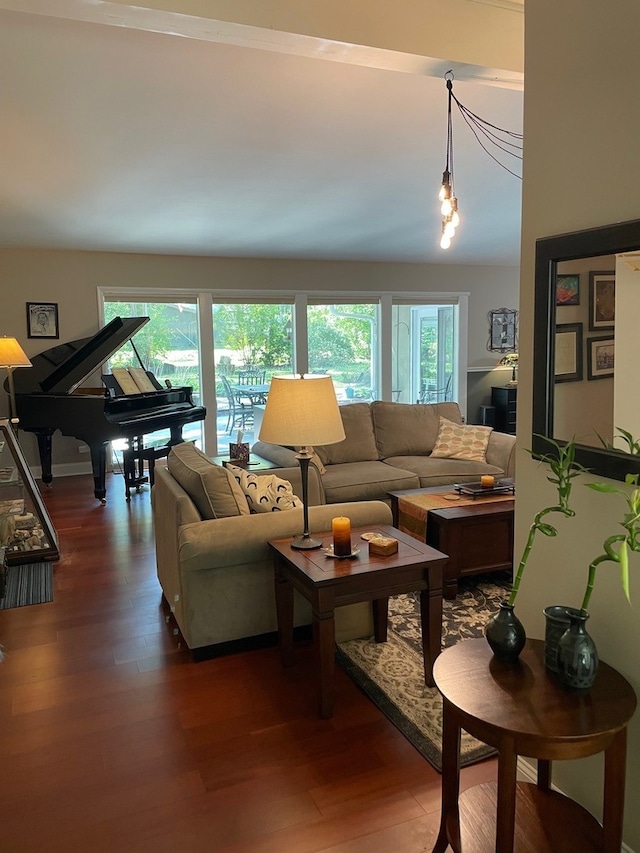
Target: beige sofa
{"points": [[388, 447], [213, 561]]}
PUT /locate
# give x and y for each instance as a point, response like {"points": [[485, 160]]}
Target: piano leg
{"points": [[99, 466], [44, 449]]}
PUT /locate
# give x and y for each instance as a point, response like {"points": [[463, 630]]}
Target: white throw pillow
{"points": [[267, 493], [461, 441]]}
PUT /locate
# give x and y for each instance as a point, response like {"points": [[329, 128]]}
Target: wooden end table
{"points": [[522, 709], [329, 583], [477, 537]]}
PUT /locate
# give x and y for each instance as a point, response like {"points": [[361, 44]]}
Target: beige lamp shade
{"points": [[12, 354], [302, 411]]}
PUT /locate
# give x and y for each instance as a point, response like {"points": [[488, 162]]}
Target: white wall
{"points": [[582, 122]]}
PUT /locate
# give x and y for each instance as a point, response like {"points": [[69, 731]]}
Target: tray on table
{"points": [[475, 490]]}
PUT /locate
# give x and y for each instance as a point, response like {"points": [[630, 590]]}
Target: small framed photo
{"points": [[568, 352], [42, 320], [600, 357], [568, 289], [602, 300]]}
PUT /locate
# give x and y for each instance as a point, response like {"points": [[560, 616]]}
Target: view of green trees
{"points": [[340, 339]]}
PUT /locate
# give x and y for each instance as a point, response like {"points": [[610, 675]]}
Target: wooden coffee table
{"points": [[522, 709], [477, 536], [329, 583]]}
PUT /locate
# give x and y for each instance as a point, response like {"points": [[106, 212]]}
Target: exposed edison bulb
{"points": [[449, 229], [455, 217], [445, 242], [446, 207], [445, 189]]}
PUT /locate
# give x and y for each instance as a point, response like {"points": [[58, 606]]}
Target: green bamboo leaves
{"points": [[563, 469], [627, 541]]}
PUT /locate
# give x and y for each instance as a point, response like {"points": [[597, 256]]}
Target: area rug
{"points": [[392, 673], [31, 583]]}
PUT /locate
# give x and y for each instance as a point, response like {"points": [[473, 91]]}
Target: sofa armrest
{"points": [[275, 453], [501, 452], [239, 540]]}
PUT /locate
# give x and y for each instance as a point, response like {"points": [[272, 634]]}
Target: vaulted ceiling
{"points": [[166, 139]]}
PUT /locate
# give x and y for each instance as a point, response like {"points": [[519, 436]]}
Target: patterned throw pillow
{"points": [[461, 441], [266, 493]]}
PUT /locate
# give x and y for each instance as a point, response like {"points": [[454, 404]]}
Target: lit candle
{"points": [[341, 529], [487, 481]]}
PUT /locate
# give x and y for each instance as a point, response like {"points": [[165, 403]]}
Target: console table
{"points": [[521, 709]]}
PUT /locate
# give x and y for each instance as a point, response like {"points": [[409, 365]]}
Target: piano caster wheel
{"points": [[103, 501]]}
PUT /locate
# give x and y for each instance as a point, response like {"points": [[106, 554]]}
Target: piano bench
{"points": [[133, 459]]}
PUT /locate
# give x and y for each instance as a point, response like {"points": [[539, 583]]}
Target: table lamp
{"points": [[12, 355], [300, 412], [511, 360]]}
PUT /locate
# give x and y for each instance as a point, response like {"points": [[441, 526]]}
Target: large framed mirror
{"points": [[587, 345]]}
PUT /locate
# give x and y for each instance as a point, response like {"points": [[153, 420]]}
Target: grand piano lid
{"points": [[61, 369]]}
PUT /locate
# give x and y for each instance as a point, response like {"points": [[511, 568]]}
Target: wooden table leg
{"points": [[380, 607], [544, 774], [613, 798], [431, 619], [284, 613], [506, 800], [449, 833], [324, 639]]}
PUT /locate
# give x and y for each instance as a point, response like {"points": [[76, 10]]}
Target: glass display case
{"points": [[27, 534]]}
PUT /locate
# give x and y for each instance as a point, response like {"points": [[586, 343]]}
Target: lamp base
{"points": [[305, 542]]}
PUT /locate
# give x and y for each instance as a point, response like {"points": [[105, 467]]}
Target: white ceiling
{"points": [[120, 139]]}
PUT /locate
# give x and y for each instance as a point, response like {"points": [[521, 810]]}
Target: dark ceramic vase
{"points": [[505, 634], [577, 653], [556, 623]]}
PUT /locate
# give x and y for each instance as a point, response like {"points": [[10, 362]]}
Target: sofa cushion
{"points": [[359, 444], [365, 481], [265, 493], [461, 441], [409, 429], [211, 487], [434, 471]]}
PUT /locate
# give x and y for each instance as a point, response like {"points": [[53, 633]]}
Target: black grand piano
{"points": [[48, 397]]}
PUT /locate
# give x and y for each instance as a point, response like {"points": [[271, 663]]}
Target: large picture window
{"points": [[227, 347]]}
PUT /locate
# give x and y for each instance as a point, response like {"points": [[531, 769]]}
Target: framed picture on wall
{"points": [[42, 320], [568, 289], [602, 300], [600, 357], [568, 362]]}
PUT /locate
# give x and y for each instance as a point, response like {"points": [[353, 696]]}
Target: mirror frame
{"points": [[550, 251]]}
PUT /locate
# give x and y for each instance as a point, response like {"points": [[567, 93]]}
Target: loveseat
{"points": [[393, 446], [213, 562]]}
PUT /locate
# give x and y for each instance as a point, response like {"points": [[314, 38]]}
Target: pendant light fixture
{"points": [[486, 134]]}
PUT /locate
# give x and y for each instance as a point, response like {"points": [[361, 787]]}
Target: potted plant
{"points": [[504, 631], [577, 656]]}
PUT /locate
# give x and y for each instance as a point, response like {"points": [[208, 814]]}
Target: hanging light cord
{"points": [[478, 126]]}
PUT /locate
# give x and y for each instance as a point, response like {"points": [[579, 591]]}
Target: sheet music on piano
{"points": [[133, 380]]}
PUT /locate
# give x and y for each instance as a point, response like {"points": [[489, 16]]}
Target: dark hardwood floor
{"points": [[112, 739]]}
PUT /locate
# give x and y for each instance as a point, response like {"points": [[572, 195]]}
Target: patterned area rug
{"points": [[31, 583], [392, 673]]}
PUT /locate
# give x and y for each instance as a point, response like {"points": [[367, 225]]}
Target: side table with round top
{"points": [[522, 709]]}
